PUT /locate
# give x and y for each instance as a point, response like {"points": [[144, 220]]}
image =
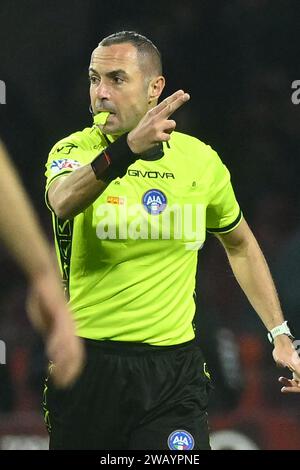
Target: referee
{"points": [[131, 201]]}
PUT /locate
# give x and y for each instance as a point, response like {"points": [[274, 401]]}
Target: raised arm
{"points": [[69, 195]]}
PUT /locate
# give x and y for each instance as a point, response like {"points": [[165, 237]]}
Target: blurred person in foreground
{"points": [[22, 235], [119, 192]]}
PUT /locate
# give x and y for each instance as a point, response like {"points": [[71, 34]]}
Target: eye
{"points": [[118, 80], [93, 79]]}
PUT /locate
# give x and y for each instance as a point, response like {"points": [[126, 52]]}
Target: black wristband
{"points": [[113, 162]]}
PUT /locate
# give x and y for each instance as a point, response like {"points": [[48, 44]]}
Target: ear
{"points": [[155, 89]]}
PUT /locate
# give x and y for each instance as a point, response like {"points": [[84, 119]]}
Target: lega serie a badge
{"points": [[181, 440], [63, 164], [154, 201]]}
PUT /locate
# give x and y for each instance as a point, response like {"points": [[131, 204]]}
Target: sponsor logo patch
{"points": [[115, 200], [150, 174]]}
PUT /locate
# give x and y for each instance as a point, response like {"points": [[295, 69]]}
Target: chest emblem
{"points": [[154, 201]]}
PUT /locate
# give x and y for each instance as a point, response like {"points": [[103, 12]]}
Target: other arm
{"points": [[252, 273]]}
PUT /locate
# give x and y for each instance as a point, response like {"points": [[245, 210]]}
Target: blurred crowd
{"points": [[238, 60]]}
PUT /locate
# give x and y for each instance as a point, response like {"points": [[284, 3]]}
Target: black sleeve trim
{"points": [[228, 227], [64, 239]]}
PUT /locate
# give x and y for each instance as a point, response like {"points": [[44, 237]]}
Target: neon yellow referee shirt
{"points": [[129, 260]]}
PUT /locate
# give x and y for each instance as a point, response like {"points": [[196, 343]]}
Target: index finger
{"points": [[171, 104], [286, 382]]}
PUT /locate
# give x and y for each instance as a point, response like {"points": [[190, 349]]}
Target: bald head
{"points": [[149, 58]]}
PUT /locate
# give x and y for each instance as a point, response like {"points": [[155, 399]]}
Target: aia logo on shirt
{"points": [[181, 440], [154, 201]]}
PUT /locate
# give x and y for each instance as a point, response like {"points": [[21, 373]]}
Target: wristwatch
{"points": [[282, 329]]}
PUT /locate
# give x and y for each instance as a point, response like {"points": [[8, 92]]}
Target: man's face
{"points": [[118, 86]]}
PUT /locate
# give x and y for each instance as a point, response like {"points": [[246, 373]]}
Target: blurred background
{"points": [[237, 59]]}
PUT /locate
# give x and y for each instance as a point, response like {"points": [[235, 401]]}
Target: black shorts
{"points": [[132, 396]]}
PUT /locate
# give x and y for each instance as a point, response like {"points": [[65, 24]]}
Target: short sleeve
{"points": [[223, 212], [65, 157]]}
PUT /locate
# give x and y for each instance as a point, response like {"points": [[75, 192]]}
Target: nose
{"points": [[102, 91]]}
